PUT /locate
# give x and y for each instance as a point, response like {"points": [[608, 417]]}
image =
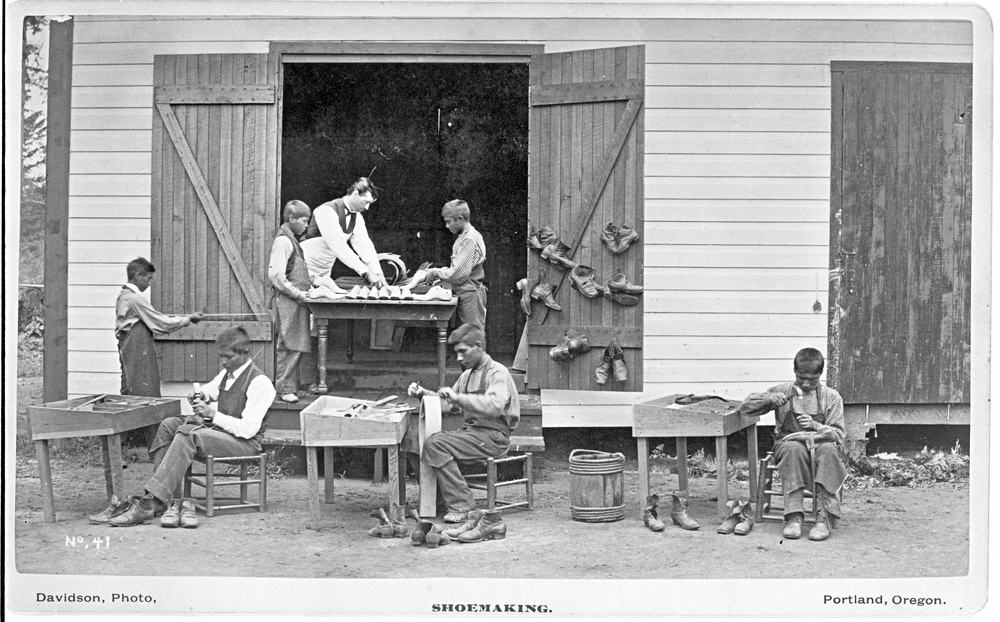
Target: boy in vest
{"points": [[487, 395], [466, 270], [229, 420], [806, 413], [338, 231], [287, 273]]}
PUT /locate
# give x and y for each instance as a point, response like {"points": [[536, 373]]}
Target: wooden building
{"points": [[798, 177]]}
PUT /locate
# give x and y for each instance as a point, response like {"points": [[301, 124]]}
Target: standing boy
{"points": [[466, 270], [290, 278], [136, 321]]}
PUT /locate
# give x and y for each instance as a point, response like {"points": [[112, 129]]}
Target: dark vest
{"points": [[232, 401], [497, 424], [298, 278], [346, 217]]}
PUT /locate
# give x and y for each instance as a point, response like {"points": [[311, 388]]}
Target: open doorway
{"points": [[431, 132]]}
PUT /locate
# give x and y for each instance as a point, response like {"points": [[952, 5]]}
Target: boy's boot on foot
{"points": [[491, 527], [820, 531], [792, 528], [679, 512], [746, 518], [649, 514], [474, 517], [732, 518], [189, 517]]}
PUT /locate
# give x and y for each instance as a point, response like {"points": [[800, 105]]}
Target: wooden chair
{"points": [[488, 482], [766, 489], [209, 480]]}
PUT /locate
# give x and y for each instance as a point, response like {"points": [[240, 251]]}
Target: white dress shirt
{"points": [[260, 395]]}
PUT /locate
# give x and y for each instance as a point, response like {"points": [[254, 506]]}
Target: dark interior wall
{"points": [[432, 133]]}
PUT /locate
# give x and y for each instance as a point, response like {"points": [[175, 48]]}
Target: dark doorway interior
{"points": [[432, 133]]}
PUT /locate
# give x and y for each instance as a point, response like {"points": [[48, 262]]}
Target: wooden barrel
{"points": [[596, 486]]}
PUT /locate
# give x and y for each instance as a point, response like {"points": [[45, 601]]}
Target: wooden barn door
{"points": [[901, 201], [214, 203], [585, 167]]}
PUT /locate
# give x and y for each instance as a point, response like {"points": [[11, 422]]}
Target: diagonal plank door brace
{"points": [[219, 224], [600, 180]]}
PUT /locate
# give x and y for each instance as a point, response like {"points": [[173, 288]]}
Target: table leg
{"points": [[107, 471], [45, 475], [313, 477], [752, 459], [377, 475], [722, 474], [350, 342], [642, 443], [442, 351], [329, 474], [397, 486], [113, 474], [682, 463], [322, 331]]}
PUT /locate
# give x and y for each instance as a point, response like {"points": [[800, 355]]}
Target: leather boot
{"points": [[142, 510], [732, 518], [524, 285], [383, 524], [626, 300], [533, 241], [546, 236], [437, 537], [746, 518], [792, 529], [172, 517], [604, 369], [626, 237], [474, 517], [581, 278], [189, 517], [578, 344], [649, 515], [398, 521], [679, 513], [545, 292], [419, 534], [618, 361], [115, 508], [491, 527], [610, 237], [555, 254], [619, 284], [821, 530], [560, 352]]}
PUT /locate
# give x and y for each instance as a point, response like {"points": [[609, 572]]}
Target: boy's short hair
{"points": [[139, 265], [234, 338], [810, 356], [457, 207], [468, 334], [363, 185], [294, 208]]}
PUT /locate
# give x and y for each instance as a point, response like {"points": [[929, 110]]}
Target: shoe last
{"points": [[355, 292]]}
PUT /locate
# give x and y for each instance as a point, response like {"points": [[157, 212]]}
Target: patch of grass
{"points": [[926, 468]]}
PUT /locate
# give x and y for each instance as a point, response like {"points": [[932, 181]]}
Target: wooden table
{"points": [[664, 418], [107, 416], [324, 424], [431, 312]]}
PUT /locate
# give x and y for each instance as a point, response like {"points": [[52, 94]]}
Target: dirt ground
{"points": [[886, 533]]}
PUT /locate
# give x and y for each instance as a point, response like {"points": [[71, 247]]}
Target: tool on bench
{"points": [[357, 409]]}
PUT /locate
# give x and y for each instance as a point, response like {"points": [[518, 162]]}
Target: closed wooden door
{"points": [[585, 168], [214, 206], [901, 201]]}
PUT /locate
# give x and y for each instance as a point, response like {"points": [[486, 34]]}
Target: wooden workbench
{"points": [[107, 416], [663, 418]]}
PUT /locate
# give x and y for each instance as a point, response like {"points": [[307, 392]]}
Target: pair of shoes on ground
{"points": [[429, 534], [740, 518], [180, 514], [476, 526], [792, 528], [613, 359], [571, 345], [393, 524], [678, 513], [618, 239]]}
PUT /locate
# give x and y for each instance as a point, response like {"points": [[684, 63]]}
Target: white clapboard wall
{"points": [[737, 162]]}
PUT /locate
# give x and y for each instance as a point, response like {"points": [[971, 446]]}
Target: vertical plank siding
{"points": [[737, 140]]}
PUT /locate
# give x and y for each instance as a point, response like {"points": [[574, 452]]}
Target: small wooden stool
{"points": [[766, 489], [210, 503], [491, 484]]}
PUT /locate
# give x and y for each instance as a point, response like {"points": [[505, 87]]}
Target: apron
{"points": [[140, 369], [292, 318]]}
